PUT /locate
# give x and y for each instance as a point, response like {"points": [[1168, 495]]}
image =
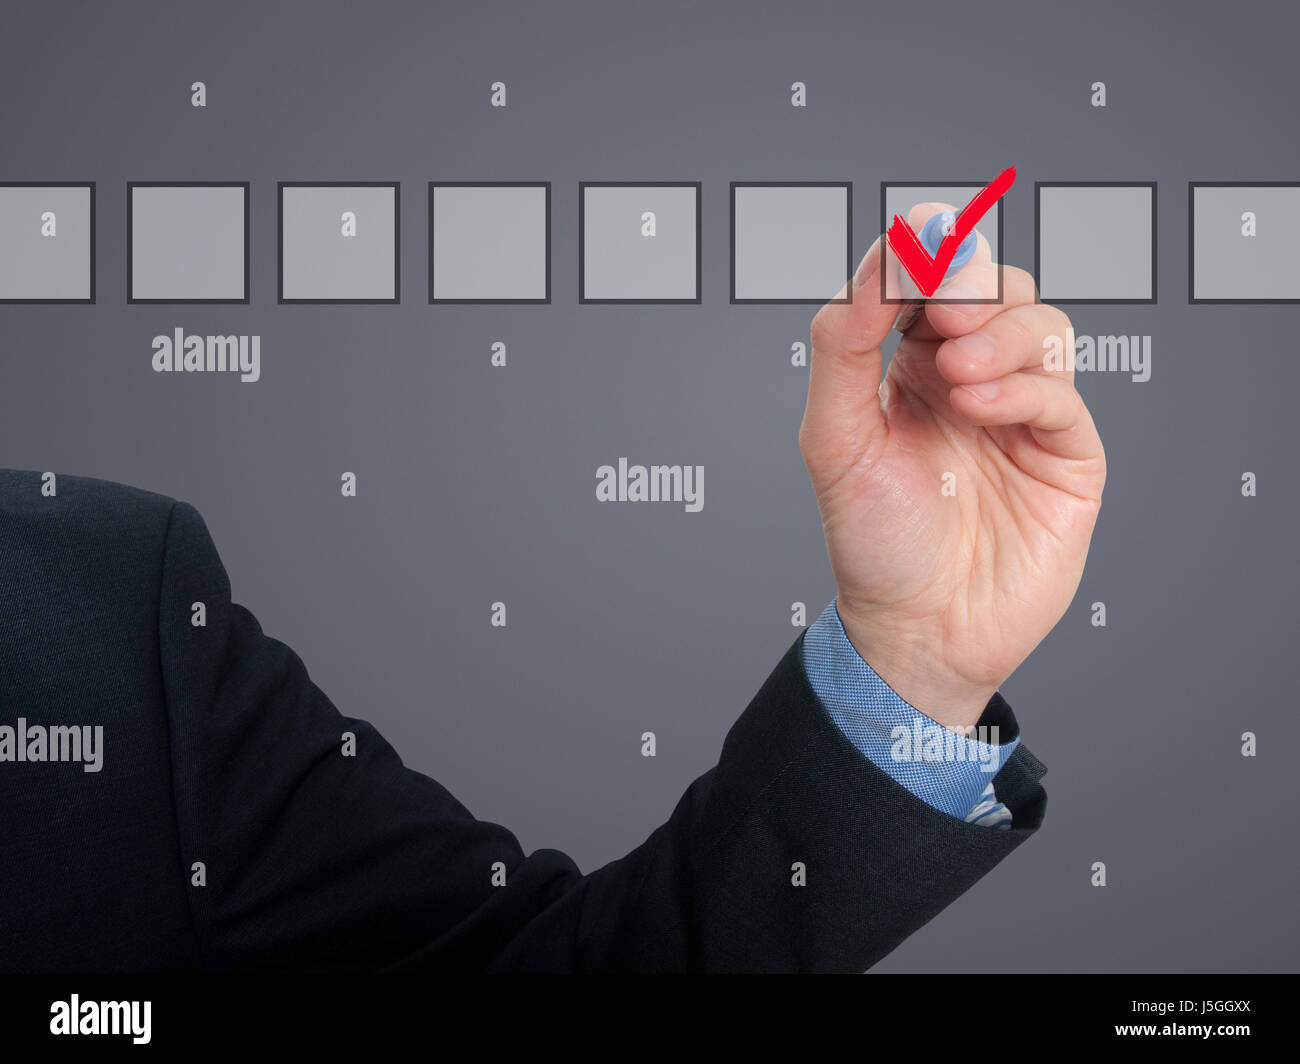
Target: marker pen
{"points": [[931, 236], [938, 227]]}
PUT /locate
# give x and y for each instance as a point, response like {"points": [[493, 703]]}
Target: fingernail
{"points": [[962, 290], [867, 268], [986, 391], [976, 348]]}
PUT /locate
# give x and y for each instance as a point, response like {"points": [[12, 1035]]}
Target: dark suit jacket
{"points": [[219, 749]]}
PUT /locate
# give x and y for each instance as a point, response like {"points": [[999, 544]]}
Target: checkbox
{"points": [[638, 243], [339, 242], [899, 197], [1242, 242], [47, 243], [1096, 242], [790, 243], [187, 242], [490, 242]]}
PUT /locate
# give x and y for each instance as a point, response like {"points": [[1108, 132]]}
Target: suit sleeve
{"points": [[313, 860]]}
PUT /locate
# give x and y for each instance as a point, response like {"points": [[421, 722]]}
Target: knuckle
{"points": [[1018, 332], [1060, 319], [1021, 280], [804, 439], [821, 328]]}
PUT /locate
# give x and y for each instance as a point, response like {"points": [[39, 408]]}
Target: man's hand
{"points": [[944, 594]]}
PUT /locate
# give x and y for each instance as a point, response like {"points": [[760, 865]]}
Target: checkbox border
{"points": [[89, 301], [699, 242], [1155, 215], [397, 242], [978, 186], [432, 236], [848, 240], [131, 186], [1192, 186]]}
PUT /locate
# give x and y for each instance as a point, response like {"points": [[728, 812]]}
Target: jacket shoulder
{"points": [[69, 508], [81, 563], [75, 551]]}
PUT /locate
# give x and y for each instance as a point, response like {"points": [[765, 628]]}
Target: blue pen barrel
{"points": [[931, 236], [933, 232]]}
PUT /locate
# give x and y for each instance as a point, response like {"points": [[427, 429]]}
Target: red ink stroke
{"points": [[926, 272]]}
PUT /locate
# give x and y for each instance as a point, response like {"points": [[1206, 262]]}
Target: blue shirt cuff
{"points": [[946, 770]]}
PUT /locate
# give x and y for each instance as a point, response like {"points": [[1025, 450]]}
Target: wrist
{"points": [[911, 664]]}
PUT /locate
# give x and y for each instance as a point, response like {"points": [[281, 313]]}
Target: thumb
{"points": [[842, 417]]}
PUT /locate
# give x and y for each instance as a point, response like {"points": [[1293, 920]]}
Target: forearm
{"points": [[795, 853]]}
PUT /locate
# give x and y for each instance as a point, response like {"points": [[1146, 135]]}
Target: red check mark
{"points": [[928, 272]]}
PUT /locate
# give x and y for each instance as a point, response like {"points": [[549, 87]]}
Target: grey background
{"points": [[35, 266], [489, 243], [320, 262], [187, 243], [1095, 243], [1231, 266], [477, 483], [789, 242], [621, 262]]}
